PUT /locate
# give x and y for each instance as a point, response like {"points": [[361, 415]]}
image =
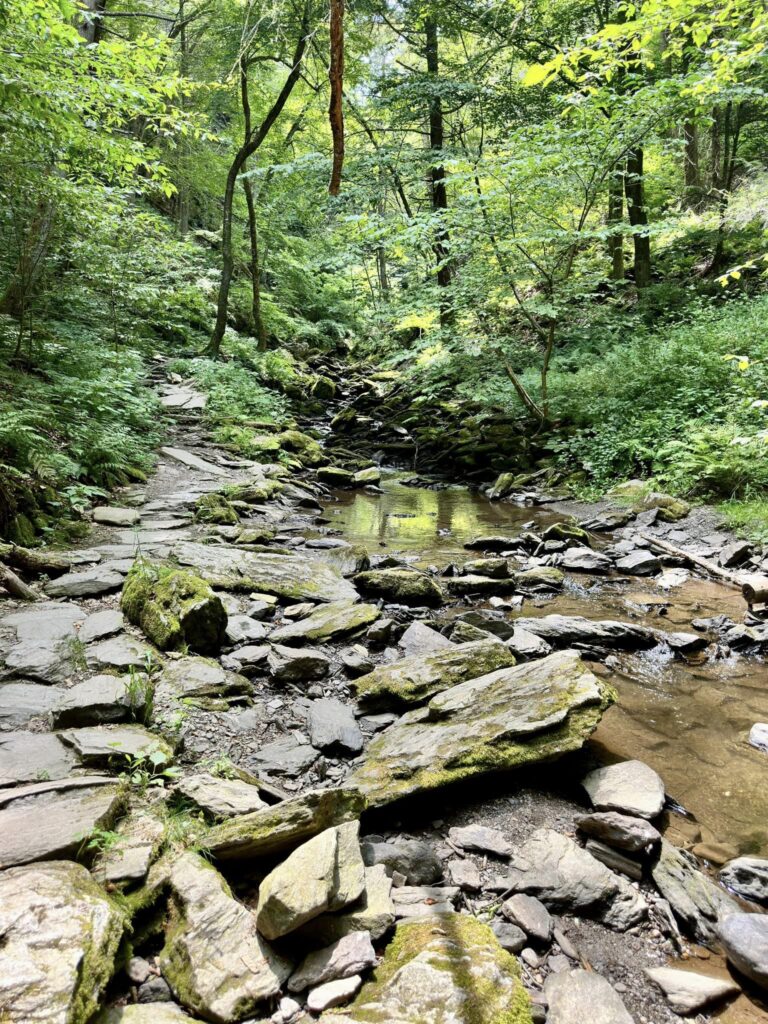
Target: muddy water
{"points": [[689, 722]]}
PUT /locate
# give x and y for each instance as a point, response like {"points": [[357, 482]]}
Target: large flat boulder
{"points": [[291, 576], [21, 702], [45, 635], [561, 630], [448, 967], [60, 934], [631, 787], [33, 756], [508, 718], [405, 586], [553, 868], [107, 744], [101, 699], [329, 622], [222, 798], [51, 819], [213, 958], [190, 677], [745, 940], [698, 903], [576, 996], [285, 825], [414, 680]]}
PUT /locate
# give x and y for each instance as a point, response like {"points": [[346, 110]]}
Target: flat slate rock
{"points": [[698, 903], [622, 831], [110, 515], [288, 756], [291, 576], [508, 718], [420, 639], [21, 702], [329, 622], [480, 838], [223, 798], [569, 629], [584, 559], [44, 650], [689, 993], [98, 700], [630, 787], [60, 936], [193, 461], [576, 996], [50, 819], [91, 583], [121, 652], [146, 1013], [374, 913], [352, 954], [33, 757], [99, 744], [333, 728], [416, 861], [100, 625], [200, 677]]}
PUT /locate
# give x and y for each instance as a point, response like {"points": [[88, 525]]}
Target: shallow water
{"points": [[690, 722]]}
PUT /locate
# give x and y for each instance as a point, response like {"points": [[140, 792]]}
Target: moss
{"points": [[543, 577], [21, 531], [97, 964], [400, 585], [174, 607], [334, 476], [214, 508], [306, 448], [323, 388], [255, 491]]}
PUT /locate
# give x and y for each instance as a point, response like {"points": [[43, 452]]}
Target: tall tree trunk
{"points": [[90, 26], [241, 157], [441, 246], [336, 108], [615, 213], [638, 217], [182, 206], [30, 264], [724, 175], [692, 170], [253, 237]]}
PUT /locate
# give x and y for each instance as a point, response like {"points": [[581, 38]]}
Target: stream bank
{"points": [[280, 718]]}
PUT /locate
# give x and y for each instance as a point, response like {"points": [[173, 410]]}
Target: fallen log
{"points": [[38, 562], [16, 587], [703, 563]]}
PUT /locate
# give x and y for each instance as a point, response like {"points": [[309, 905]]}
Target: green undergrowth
{"points": [[749, 518]]}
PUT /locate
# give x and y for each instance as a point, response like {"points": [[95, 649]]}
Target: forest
{"points": [[383, 511]]}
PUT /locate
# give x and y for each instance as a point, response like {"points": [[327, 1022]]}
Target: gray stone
{"points": [[356, 661], [745, 940], [21, 702], [223, 798], [352, 954], [101, 699], [481, 838], [515, 716], [565, 877], [60, 936], [529, 914], [583, 559], [140, 836], [576, 996], [100, 625], [291, 665], [630, 787], [560, 630], [324, 874], [639, 563], [45, 648], [138, 969], [758, 736], [415, 860], [735, 553], [496, 568], [288, 757], [249, 659], [697, 902], [424, 900], [688, 993], [684, 643], [148, 1013], [295, 577], [33, 757], [415, 679], [122, 652], [746, 876], [525, 644], [406, 586], [332, 727], [155, 990], [615, 860], [510, 937], [241, 628], [100, 744], [51, 819], [329, 622], [333, 993], [213, 958], [108, 515], [635, 835], [200, 677], [420, 639], [193, 461], [465, 873], [99, 580]]}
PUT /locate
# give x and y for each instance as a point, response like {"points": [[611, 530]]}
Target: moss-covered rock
{"points": [[214, 508], [323, 388], [335, 476], [448, 967], [255, 491], [367, 477], [670, 509], [306, 449], [505, 484], [567, 532], [401, 585], [512, 717], [328, 622], [541, 577], [174, 607], [413, 681]]}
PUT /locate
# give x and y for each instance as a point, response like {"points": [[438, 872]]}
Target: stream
{"points": [[712, 773]]}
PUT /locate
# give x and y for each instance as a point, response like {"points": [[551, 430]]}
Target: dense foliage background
{"points": [[552, 215]]}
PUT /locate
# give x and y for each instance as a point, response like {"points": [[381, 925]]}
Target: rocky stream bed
{"points": [[333, 741]]}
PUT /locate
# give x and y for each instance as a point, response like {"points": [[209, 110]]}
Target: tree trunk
{"points": [[638, 217], [29, 267], [693, 188], [336, 108], [90, 27], [441, 246], [731, 131], [253, 235], [615, 213], [241, 157]]}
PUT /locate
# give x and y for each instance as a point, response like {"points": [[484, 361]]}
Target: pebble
{"points": [[333, 993]]}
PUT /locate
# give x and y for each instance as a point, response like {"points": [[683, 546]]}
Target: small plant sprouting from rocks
{"points": [[149, 770]]}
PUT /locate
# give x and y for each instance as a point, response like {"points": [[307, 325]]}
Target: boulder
{"points": [[492, 542], [639, 563], [496, 568], [405, 586], [508, 718], [110, 515], [328, 622], [45, 636], [101, 699], [189, 677], [576, 996], [333, 993], [289, 665], [373, 912], [420, 639], [525, 644], [698, 903], [121, 652], [174, 608], [332, 727], [465, 874], [21, 702], [504, 485], [90, 583], [735, 553], [553, 868], [215, 509], [479, 585], [541, 577], [630, 787], [50, 819], [323, 874], [242, 628], [510, 937], [584, 559], [416, 861], [31, 757], [60, 935], [335, 476], [481, 839], [746, 876], [623, 832], [745, 940], [140, 836], [367, 477], [560, 630], [323, 388], [352, 954], [689, 993], [221, 798], [100, 625], [529, 914], [448, 967], [105, 744], [283, 826], [414, 680], [213, 959], [293, 577], [288, 756]]}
